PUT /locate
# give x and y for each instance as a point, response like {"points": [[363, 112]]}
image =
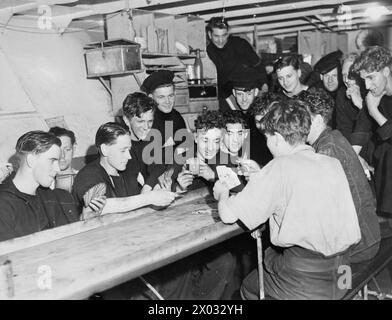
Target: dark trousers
{"points": [[297, 273]]}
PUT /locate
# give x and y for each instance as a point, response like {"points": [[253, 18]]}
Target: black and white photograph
{"points": [[188, 156]]}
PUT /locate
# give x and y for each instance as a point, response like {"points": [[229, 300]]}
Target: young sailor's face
{"points": [[208, 143], [219, 37], [245, 98], [118, 152], [330, 80], [375, 81], [67, 151], [141, 126], [165, 98], [288, 78], [46, 166], [234, 137]]}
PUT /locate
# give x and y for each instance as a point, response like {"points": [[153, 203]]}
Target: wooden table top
{"points": [[78, 260]]}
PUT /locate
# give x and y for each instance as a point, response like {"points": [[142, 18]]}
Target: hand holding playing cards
{"points": [[221, 191], [94, 208], [94, 201], [165, 180]]}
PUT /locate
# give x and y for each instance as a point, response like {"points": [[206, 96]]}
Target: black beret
{"points": [[157, 79], [328, 62], [245, 78]]}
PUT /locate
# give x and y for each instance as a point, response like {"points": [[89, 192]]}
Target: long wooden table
{"points": [[82, 258]]}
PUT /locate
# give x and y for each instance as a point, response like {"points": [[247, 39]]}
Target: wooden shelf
{"points": [[174, 69], [186, 56], [159, 55], [156, 55]]}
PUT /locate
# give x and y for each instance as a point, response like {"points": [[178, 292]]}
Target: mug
{"points": [[193, 166]]}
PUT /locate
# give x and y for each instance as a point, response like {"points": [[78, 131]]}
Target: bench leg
{"points": [[365, 292], [379, 294], [260, 267], [152, 289]]}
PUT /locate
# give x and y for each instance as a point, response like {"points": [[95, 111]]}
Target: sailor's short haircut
{"points": [[62, 132], [373, 59], [137, 103], [217, 23], [209, 120], [36, 142], [289, 118], [108, 134]]}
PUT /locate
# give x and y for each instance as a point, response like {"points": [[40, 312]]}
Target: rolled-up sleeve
{"points": [[260, 198]]}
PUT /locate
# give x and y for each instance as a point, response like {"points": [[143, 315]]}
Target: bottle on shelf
{"points": [[131, 27], [198, 68]]}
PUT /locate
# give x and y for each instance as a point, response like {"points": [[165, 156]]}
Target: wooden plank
{"points": [[79, 265]]}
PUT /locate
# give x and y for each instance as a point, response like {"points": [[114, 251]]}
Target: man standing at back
{"points": [[168, 122], [245, 83], [227, 52]]}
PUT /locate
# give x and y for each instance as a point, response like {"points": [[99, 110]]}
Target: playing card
{"points": [[228, 177], [94, 192]]}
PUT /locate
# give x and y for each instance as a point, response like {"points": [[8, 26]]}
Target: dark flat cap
{"points": [[157, 79], [245, 78], [328, 62]]}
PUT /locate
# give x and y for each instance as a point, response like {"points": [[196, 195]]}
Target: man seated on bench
{"points": [[332, 143], [113, 142], [307, 199], [138, 114], [198, 166], [27, 204]]}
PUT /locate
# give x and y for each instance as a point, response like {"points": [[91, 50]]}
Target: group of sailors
{"points": [[301, 157]]}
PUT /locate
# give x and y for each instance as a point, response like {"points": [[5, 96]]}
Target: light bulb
{"points": [[375, 12]]}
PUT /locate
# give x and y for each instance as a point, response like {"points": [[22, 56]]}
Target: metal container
{"points": [[112, 57]]}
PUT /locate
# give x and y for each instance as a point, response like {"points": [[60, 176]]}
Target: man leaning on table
{"points": [[27, 204], [307, 199]]}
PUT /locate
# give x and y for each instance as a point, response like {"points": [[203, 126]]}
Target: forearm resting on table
{"points": [[225, 212], [125, 204]]}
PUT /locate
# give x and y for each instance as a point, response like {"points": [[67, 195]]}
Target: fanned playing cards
{"points": [[228, 177], [96, 191]]}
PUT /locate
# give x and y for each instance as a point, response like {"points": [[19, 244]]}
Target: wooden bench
{"points": [[365, 272]]}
